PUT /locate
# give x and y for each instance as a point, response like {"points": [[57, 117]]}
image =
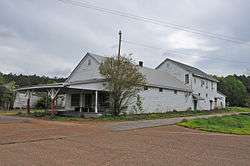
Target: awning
{"points": [[93, 84], [197, 97], [61, 88], [41, 88]]}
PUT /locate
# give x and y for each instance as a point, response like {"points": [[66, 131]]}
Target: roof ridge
{"points": [[191, 69]]}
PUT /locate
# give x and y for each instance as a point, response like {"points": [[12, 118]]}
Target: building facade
{"points": [[203, 86], [172, 86]]}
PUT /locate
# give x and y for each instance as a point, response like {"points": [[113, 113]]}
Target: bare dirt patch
{"points": [[90, 143]]}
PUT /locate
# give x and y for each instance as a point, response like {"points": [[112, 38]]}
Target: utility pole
{"points": [[119, 48]]}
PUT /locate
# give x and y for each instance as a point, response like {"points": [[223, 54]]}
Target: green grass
{"points": [[231, 124], [152, 116]]}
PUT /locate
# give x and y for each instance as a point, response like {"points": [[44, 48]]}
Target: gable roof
{"points": [[162, 79], [155, 78], [97, 58], [193, 70]]}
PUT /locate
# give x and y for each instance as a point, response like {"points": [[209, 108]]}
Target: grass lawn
{"points": [[9, 113], [232, 124], [41, 114], [152, 116]]}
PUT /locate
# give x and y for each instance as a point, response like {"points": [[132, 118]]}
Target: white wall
{"points": [[86, 71], [155, 101], [205, 92], [21, 100], [221, 102], [175, 70]]}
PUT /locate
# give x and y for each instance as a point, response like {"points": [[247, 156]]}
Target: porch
{"points": [[83, 100], [85, 103]]}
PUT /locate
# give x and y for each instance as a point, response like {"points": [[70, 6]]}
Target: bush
{"points": [[39, 114], [42, 103]]}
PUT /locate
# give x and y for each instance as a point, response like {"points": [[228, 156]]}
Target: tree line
{"points": [[29, 80], [236, 88]]}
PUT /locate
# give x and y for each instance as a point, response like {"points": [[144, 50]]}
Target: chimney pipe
{"points": [[140, 63]]}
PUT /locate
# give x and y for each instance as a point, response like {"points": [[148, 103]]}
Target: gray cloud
{"points": [[47, 37]]}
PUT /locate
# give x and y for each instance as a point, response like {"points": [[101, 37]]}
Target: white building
{"points": [[21, 100], [203, 86], [169, 87]]}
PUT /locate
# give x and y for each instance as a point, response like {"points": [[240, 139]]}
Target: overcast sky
{"points": [[48, 37]]}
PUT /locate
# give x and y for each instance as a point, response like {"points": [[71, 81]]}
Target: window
{"points": [[89, 62], [160, 90], [195, 80], [75, 100], [186, 78], [206, 94], [175, 92], [167, 65], [202, 83], [199, 94], [212, 85], [145, 88], [207, 84]]}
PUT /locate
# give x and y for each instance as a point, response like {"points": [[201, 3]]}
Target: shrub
{"points": [[42, 103]]}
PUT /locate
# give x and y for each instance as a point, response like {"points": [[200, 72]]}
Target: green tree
{"points": [[234, 89], [124, 81], [7, 96]]}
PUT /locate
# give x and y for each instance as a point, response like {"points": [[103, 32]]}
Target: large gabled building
{"points": [[172, 86]]}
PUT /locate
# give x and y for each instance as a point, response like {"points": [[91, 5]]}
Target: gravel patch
{"points": [[13, 119]]}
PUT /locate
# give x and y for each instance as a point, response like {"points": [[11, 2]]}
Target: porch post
{"points": [[28, 93], [81, 104], [96, 101], [53, 107], [53, 94]]}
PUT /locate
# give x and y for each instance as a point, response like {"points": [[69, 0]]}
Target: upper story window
{"points": [[160, 90], [89, 62], [202, 83], [186, 78], [212, 85], [175, 92], [207, 84], [195, 80]]}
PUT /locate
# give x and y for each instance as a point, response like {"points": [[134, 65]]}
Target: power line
{"points": [[154, 21], [177, 52]]}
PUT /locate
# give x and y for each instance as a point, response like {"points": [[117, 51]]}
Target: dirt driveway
{"points": [[38, 142]]}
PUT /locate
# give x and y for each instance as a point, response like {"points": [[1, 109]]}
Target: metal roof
{"points": [[98, 58], [162, 79], [41, 87], [197, 97], [193, 70], [155, 77]]}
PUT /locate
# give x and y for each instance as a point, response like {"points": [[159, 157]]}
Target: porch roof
{"points": [[93, 84], [197, 97], [42, 87]]}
